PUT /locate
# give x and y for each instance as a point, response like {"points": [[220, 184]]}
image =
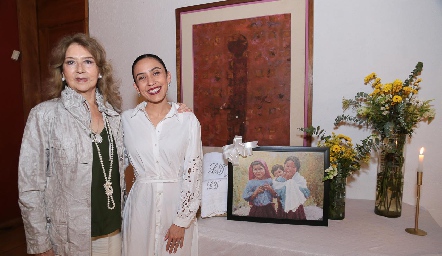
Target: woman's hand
{"points": [[46, 253], [183, 108], [174, 238]]}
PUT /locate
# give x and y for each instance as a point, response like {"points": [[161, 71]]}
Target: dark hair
{"points": [[107, 85], [276, 167], [144, 56], [295, 160]]}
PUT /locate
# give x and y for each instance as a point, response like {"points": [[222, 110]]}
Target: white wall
{"points": [[352, 38], [128, 29]]}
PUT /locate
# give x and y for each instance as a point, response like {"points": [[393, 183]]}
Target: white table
{"points": [[362, 232]]}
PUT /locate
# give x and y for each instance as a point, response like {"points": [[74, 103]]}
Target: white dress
{"points": [[167, 161]]}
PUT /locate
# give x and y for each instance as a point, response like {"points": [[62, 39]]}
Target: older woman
{"points": [[71, 179]]}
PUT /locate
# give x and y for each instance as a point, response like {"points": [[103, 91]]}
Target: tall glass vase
{"points": [[390, 177], [336, 209]]}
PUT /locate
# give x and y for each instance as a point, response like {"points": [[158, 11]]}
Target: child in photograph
{"points": [[278, 172], [259, 192], [278, 175], [292, 190]]}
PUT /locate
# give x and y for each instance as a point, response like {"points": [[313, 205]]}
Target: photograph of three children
{"points": [[279, 184]]}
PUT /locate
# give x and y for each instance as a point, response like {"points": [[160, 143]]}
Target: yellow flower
{"points": [[344, 157], [406, 89], [397, 85], [342, 136], [370, 77], [397, 99], [376, 82], [392, 106], [387, 88], [336, 148], [397, 82], [375, 92]]}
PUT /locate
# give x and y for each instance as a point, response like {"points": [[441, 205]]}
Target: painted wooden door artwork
{"points": [[242, 80]]}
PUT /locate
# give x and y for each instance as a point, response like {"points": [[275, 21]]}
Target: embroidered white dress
{"points": [[167, 161]]}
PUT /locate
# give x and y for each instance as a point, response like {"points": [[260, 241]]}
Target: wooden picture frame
{"points": [[297, 194], [275, 99]]}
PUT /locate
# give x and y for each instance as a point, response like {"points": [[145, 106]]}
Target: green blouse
{"points": [[104, 220]]}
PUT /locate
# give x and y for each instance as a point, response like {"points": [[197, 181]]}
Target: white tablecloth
{"points": [[362, 232]]}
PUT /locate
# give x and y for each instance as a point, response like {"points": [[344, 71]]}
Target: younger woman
{"points": [[259, 192], [164, 147]]}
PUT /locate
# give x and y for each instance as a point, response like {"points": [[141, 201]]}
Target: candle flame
{"points": [[422, 151]]}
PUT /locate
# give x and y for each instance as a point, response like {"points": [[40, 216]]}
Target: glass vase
{"points": [[390, 177], [336, 209]]}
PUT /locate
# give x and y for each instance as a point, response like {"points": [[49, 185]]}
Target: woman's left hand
{"points": [[183, 108], [174, 238]]}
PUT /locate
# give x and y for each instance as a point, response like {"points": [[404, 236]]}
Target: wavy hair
{"points": [[108, 86]]}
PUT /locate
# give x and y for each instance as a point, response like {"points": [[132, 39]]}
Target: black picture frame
{"points": [[313, 162]]}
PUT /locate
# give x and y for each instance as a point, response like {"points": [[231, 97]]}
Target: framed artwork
{"points": [[280, 185], [244, 67]]}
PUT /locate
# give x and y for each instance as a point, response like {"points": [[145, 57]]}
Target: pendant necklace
{"points": [[95, 136], [108, 190]]}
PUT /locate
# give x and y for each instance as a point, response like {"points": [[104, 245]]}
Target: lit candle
{"points": [[420, 167]]}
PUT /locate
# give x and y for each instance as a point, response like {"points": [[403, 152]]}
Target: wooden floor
{"points": [[12, 241]]}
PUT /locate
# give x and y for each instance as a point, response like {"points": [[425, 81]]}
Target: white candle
{"points": [[420, 167]]}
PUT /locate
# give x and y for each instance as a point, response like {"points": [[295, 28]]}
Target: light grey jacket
{"points": [[55, 173]]}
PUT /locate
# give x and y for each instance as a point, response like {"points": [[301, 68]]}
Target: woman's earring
{"points": [[139, 94], [100, 76], [62, 78], [168, 85]]}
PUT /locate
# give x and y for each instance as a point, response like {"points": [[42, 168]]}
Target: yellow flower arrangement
{"points": [[391, 108], [345, 158], [392, 111]]}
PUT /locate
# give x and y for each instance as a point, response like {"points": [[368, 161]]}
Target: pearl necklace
{"points": [[107, 178]]}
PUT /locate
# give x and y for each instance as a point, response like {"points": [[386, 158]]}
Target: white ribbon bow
{"points": [[233, 151]]}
